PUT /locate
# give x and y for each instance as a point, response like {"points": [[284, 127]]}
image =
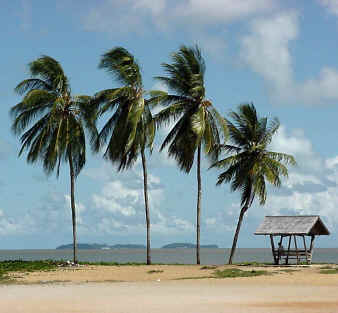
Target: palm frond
{"points": [[250, 164], [123, 66]]}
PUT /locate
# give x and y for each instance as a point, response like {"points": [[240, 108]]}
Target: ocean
{"points": [[167, 256]]}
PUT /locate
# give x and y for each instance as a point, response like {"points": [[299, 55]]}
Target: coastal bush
{"points": [[24, 266], [27, 266], [235, 272]]}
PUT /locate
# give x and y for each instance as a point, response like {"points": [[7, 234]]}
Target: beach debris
{"points": [[68, 264]]}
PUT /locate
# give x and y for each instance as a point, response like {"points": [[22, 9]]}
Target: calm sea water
{"points": [[168, 256]]}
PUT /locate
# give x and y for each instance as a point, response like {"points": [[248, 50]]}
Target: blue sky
{"points": [[280, 55]]}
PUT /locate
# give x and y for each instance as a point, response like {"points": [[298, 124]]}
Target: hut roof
{"points": [[292, 225]]}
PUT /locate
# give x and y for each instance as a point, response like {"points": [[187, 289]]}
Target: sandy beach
{"points": [[169, 288]]}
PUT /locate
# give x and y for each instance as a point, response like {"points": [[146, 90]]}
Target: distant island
{"points": [[97, 246], [186, 245]]}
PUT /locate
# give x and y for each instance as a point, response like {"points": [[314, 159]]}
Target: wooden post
{"points": [[311, 246], [273, 250], [294, 237], [287, 256], [306, 252], [279, 247]]}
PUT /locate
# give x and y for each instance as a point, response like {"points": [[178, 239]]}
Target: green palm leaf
{"points": [[51, 122], [250, 165], [197, 122]]}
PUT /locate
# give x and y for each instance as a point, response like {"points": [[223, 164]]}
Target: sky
{"points": [[279, 55]]}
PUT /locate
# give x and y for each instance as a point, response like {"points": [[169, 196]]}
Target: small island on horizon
{"points": [[98, 246], [187, 245]]}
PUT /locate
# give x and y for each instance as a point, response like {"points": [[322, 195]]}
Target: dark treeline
{"points": [[54, 126]]}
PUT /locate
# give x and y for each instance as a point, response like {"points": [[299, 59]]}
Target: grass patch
{"points": [[194, 277], [155, 271], [24, 266], [235, 272], [329, 271], [27, 266], [209, 267]]}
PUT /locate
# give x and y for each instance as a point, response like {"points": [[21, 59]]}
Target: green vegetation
{"points": [[112, 263], [230, 273], [249, 165], [209, 267], [25, 266], [197, 122], [51, 123], [235, 272], [194, 277], [130, 129]]}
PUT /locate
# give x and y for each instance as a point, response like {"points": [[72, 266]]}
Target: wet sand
{"points": [[132, 289]]}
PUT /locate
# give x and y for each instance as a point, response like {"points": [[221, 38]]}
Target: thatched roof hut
{"points": [[296, 227], [292, 225]]}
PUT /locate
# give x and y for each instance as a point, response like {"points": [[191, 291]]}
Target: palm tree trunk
{"points": [[199, 198], [72, 203], [146, 204], [239, 223]]}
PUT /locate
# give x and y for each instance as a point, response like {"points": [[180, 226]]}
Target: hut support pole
{"points": [[294, 237], [306, 252], [287, 256], [273, 251], [280, 245], [311, 247]]}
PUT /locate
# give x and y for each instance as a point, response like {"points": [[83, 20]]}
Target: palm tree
{"points": [[197, 121], [130, 129], [250, 164], [51, 123]]}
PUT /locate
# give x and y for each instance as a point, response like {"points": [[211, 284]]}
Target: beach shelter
{"points": [[296, 230]]}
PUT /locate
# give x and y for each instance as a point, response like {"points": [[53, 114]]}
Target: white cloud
{"points": [[120, 17], [135, 13], [331, 5], [7, 225], [51, 214], [296, 144], [312, 187], [215, 11], [120, 206], [266, 49], [79, 208]]}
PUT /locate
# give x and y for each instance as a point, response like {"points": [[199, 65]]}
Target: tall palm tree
{"points": [[51, 123], [130, 129], [197, 121], [250, 164]]}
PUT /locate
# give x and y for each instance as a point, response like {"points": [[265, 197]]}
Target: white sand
{"points": [[193, 296], [302, 291]]}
